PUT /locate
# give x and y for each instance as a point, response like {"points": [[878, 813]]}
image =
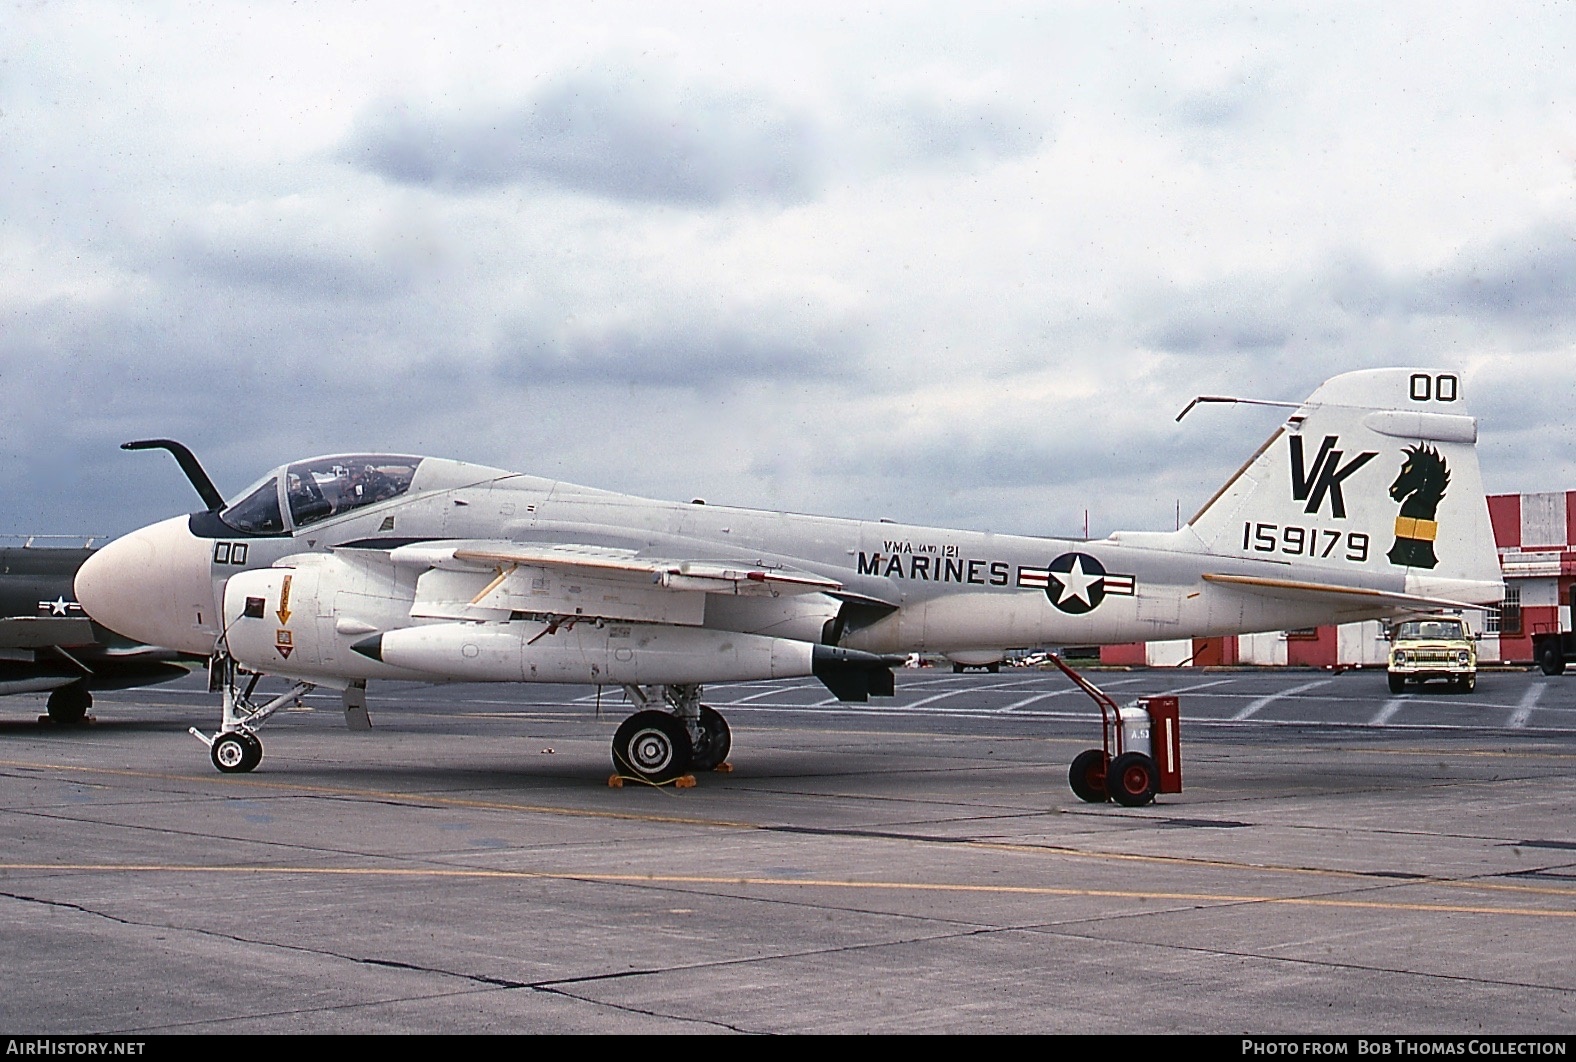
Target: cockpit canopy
{"points": [[319, 488]]}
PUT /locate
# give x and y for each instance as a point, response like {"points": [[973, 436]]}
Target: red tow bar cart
{"points": [[1140, 753]]}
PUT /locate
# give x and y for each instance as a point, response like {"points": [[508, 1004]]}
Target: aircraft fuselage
{"points": [[945, 589]]}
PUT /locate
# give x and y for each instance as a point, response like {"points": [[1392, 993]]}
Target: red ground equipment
{"points": [[1140, 753]]}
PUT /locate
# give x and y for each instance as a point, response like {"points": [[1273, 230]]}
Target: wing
{"points": [[480, 580], [509, 611], [43, 632]]}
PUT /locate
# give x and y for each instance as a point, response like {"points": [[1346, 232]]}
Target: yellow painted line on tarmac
{"points": [[795, 883], [431, 800], [1270, 868], [1480, 754], [386, 796]]}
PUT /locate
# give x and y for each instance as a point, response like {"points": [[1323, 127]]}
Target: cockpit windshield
{"points": [[318, 489], [257, 513], [329, 486]]}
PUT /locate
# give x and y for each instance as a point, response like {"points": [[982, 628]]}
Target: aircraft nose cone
{"points": [[107, 586], [153, 585]]}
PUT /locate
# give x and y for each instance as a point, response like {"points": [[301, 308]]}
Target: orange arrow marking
{"points": [[284, 602]]}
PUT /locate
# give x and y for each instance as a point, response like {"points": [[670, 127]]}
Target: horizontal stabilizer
{"points": [[1294, 590]]}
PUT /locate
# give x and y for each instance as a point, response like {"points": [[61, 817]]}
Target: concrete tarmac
{"points": [[1340, 860]]}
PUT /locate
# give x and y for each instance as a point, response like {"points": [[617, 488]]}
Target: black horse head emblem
{"points": [[1419, 488]]}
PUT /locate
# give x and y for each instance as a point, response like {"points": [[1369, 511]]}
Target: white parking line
{"points": [[1390, 708], [768, 692], [1198, 686], [939, 696], [1253, 706], [1015, 705], [1528, 701], [937, 680]]}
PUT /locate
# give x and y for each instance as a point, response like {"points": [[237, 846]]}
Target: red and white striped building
{"points": [[1536, 535]]}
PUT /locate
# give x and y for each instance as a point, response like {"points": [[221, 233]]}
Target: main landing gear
{"points": [[69, 704], [236, 748], [660, 745]]}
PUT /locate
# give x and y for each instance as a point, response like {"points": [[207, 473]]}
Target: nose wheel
{"points": [[236, 752], [236, 748]]}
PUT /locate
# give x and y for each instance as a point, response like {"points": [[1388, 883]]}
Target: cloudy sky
{"points": [[942, 263]]}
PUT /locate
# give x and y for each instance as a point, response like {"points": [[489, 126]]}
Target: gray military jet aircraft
{"points": [[48, 643], [338, 570]]}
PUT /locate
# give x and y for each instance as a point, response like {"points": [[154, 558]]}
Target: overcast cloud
{"points": [[954, 264]]}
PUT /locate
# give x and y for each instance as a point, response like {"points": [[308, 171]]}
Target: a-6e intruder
{"points": [[337, 571]]}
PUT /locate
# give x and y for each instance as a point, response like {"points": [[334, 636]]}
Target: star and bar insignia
{"points": [[1076, 582]]}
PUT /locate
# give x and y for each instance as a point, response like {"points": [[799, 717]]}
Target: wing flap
{"points": [[495, 594], [471, 580], [709, 577], [490, 580]]}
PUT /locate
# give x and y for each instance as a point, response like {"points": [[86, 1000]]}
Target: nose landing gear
{"points": [[236, 748]]}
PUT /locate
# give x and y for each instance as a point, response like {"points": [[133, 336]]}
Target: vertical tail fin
{"points": [[1374, 476]]}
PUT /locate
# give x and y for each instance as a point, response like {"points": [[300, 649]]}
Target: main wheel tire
{"points": [[69, 704], [1469, 682], [1132, 779], [1397, 684], [232, 752], [652, 745], [1552, 660], [254, 751], [1087, 776], [716, 741]]}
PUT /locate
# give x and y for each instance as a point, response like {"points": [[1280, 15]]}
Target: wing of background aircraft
{"points": [[339, 570]]}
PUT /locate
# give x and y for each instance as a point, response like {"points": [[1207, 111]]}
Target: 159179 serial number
{"points": [[1305, 541]]}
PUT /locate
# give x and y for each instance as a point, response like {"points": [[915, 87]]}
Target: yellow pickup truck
{"points": [[1433, 647]]}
